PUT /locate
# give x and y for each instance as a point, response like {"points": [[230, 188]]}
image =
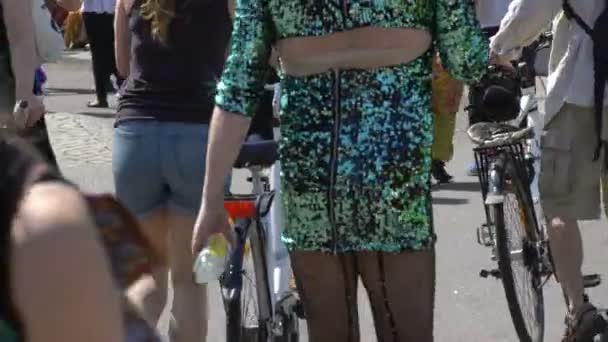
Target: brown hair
{"points": [[160, 13]]}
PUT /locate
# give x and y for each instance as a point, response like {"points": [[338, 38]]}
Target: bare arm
{"points": [[122, 37], [63, 287], [226, 135], [231, 8], [524, 22], [18, 20]]}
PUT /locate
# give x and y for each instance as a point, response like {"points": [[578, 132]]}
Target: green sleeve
{"points": [[461, 43], [242, 84]]}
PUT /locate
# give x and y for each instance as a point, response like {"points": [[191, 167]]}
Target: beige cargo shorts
{"points": [[570, 182]]}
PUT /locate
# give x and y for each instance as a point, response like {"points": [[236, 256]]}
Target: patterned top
{"points": [[260, 23]]}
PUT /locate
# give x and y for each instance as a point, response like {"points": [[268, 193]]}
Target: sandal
{"points": [[585, 325]]}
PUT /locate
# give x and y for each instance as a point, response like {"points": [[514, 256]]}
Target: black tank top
{"points": [[176, 81]]}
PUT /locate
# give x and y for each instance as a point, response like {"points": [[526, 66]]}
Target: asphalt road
{"points": [[468, 308]]}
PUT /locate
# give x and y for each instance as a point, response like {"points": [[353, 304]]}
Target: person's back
{"points": [[176, 78], [172, 53], [355, 148]]}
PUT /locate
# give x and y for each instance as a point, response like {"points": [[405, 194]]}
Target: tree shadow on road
{"points": [[461, 186], [449, 201], [69, 91], [101, 115]]}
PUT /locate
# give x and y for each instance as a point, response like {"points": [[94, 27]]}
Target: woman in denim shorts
{"points": [[170, 52]]}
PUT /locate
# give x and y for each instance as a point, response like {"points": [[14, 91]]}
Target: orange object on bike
{"points": [[240, 208]]}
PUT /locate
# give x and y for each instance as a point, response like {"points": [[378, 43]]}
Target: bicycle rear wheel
{"points": [[517, 234], [246, 301]]}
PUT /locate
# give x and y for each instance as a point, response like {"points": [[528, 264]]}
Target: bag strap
{"points": [[599, 81], [572, 15]]}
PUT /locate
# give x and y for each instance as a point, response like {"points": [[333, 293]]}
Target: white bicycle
{"points": [[259, 302]]}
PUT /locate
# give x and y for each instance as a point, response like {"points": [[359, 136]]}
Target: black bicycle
{"points": [[507, 157], [518, 243]]}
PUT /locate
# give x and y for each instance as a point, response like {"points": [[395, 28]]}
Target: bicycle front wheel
{"points": [[517, 235]]}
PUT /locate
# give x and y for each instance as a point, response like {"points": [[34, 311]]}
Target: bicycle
{"points": [[260, 306], [507, 156]]}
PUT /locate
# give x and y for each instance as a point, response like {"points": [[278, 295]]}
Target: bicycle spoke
{"points": [[249, 299], [523, 264]]}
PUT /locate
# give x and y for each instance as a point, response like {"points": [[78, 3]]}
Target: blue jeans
{"points": [[159, 165]]}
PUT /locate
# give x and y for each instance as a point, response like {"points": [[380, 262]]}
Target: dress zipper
{"points": [[333, 163], [345, 7]]}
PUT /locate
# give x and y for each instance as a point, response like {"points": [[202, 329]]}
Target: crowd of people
{"points": [[369, 94]]}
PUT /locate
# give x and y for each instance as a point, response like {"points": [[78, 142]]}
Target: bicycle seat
{"points": [[261, 153], [491, 134]]}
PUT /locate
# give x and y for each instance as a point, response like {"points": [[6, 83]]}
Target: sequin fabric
{"points": [[356, 144]]}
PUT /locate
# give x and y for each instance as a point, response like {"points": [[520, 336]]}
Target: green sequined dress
{"points": [[356, 144]]}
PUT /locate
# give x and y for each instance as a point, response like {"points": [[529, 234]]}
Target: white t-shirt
{"points": [[99, 6], [491, 12]]}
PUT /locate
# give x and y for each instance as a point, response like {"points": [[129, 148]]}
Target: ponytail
{"points": [[159, 13]]}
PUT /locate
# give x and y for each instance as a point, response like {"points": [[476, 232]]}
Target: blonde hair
{"points": [[159, 13]]}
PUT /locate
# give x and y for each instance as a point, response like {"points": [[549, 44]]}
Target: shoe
{"points": [[439, 172], [110, 89], [585, 325], [98, 104], [472, 170]]}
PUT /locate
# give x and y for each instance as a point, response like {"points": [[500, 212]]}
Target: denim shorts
{"points": [[159, 165]]}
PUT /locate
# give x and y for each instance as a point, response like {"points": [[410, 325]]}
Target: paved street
{"points": [[468, 308]]}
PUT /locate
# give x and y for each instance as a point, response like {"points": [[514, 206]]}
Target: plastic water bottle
{"points": [[211, 261], [20, 114]]}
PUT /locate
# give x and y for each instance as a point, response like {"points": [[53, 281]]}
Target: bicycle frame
{"points": [[532, 117]]}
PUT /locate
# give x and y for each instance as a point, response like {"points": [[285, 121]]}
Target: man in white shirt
{"points": [[489, 14], [98, 17], [569, 181]]}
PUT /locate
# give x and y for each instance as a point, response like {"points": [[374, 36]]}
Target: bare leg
{"points": [[150, 294], [328, 288], [401, 289], [190, 299], [567, 252]]}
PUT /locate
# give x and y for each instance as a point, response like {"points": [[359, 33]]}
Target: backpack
{"points": [[49, 38], [47, 32], [598, 34]]}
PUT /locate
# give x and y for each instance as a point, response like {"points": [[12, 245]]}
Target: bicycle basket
{"points": [[485, 155], [496, 96]]}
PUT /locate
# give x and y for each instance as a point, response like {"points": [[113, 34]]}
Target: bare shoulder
{"points": [[59, 262], [51, 208]]}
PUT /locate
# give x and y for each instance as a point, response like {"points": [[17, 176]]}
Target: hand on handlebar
{"points": [[501, 61]]}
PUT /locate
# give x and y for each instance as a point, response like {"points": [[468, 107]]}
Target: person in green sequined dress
{"points": [[355, 148]]}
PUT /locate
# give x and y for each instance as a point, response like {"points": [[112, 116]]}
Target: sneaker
{"points": [[585, 325], [439, 172], [472, 170]]}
